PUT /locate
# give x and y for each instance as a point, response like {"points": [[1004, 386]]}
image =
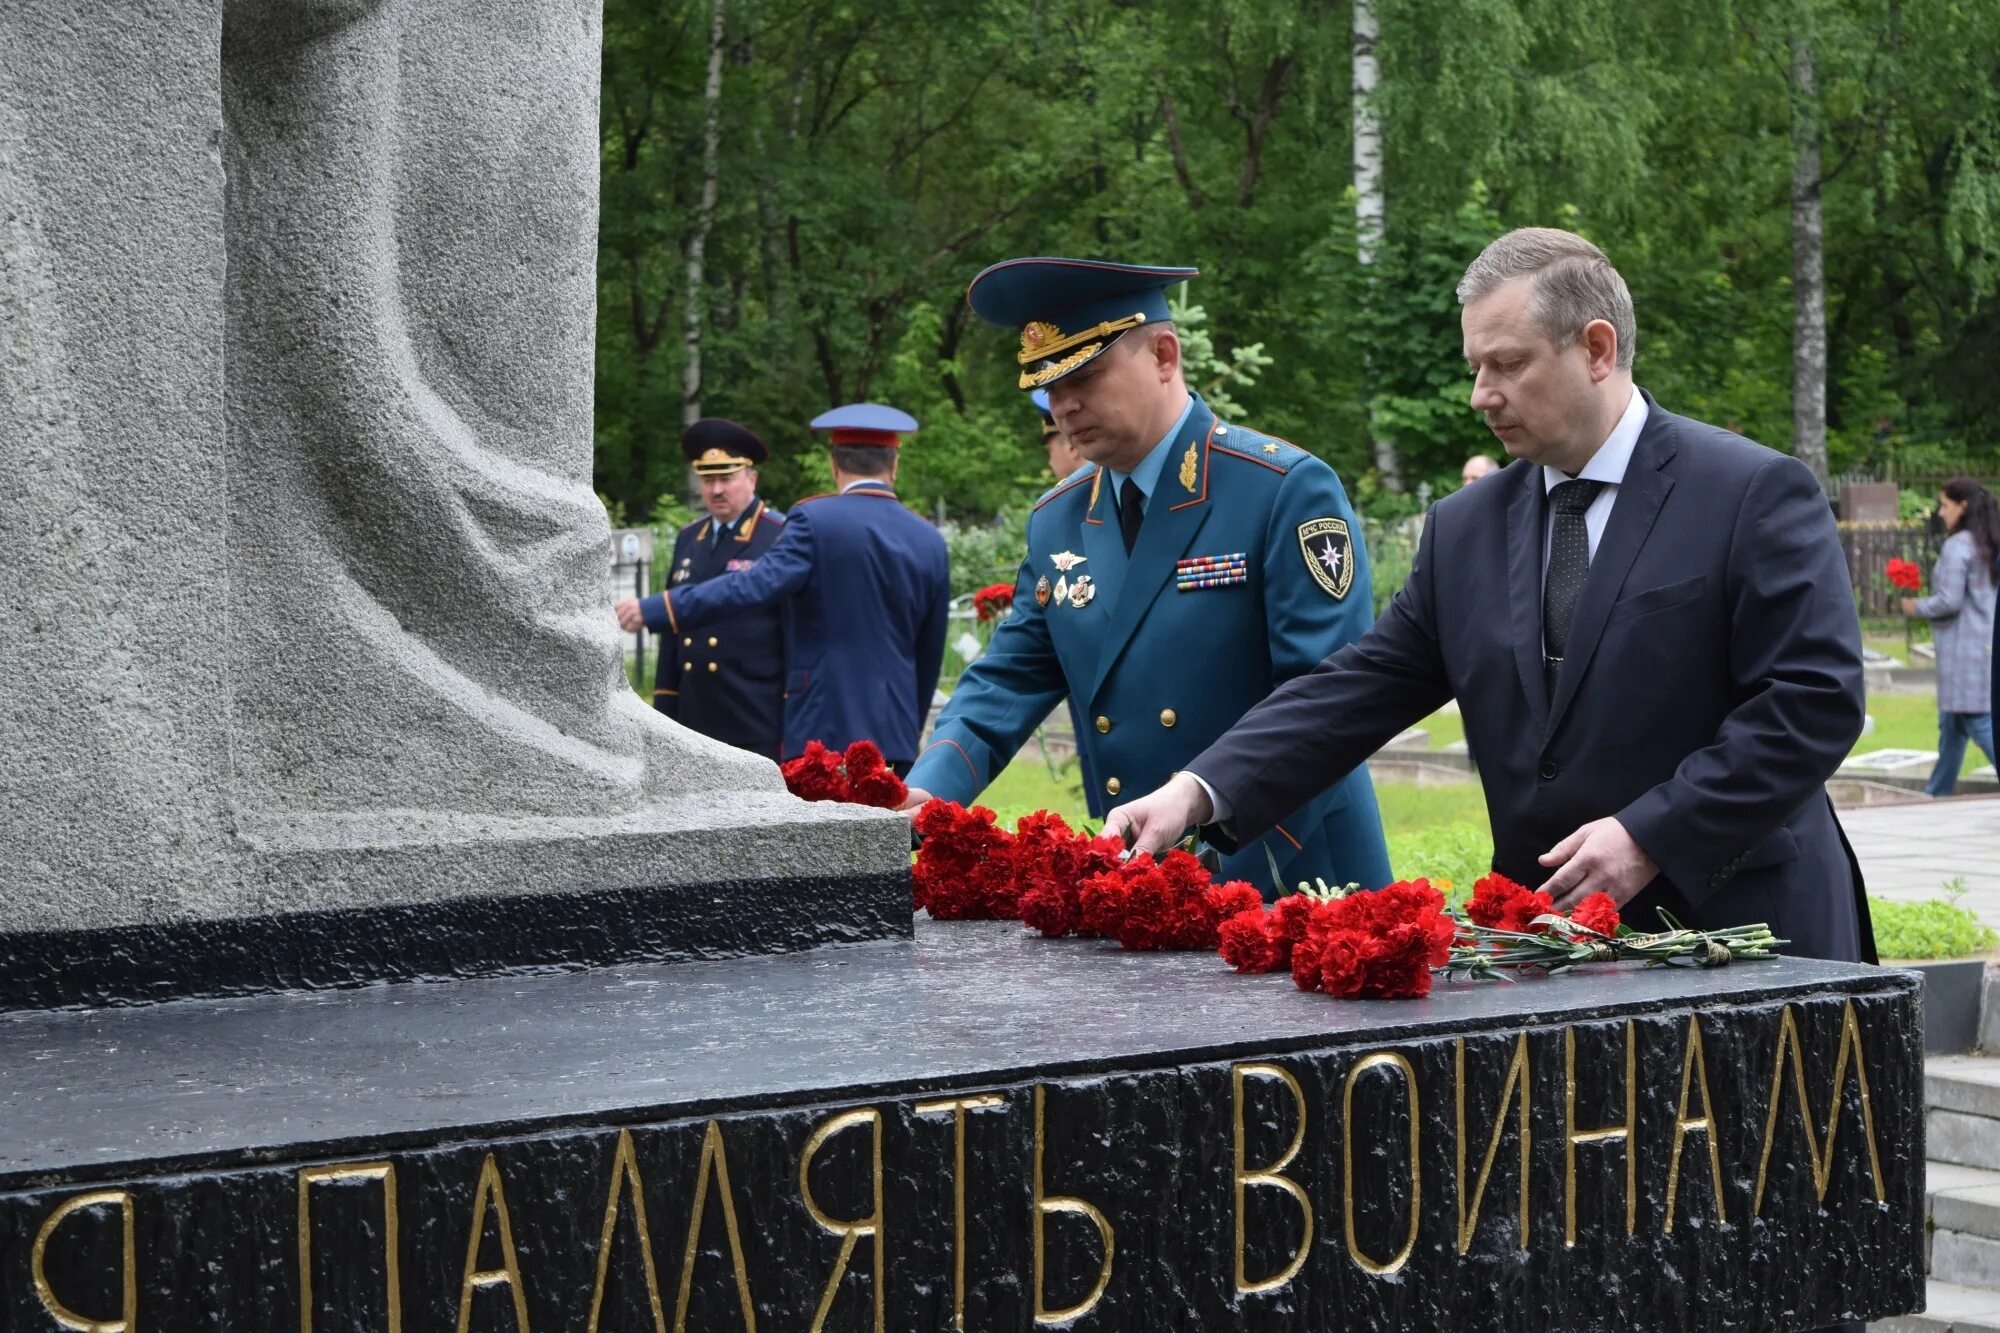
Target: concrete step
{"points": [[1965, 1260], [1950, 1309], [1962, 1119]]}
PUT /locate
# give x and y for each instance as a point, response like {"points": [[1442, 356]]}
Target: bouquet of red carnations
{"points": [[860, 776], [993, 601], [1905, 575]]}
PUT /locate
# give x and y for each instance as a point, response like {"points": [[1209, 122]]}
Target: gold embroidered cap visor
{"points": [[716, 447], [1069, 311]]}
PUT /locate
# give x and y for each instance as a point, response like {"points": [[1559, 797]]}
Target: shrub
{"points": [[1932, 928]]}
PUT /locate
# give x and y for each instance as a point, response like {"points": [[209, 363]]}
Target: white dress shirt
{"points": [[1607, 465]]}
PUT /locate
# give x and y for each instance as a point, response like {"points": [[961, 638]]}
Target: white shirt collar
{"points": [[864, 481], [1608, 464]]}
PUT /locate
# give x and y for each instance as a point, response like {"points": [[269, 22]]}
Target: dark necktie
{"points": [[1131, 512], [716, 532], [1569, 567]]}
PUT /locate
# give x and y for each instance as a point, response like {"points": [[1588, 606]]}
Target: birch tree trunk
{"points": [[1808, 272], [1369, 209], [697, 251]]}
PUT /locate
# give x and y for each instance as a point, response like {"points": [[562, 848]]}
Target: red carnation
{"points": [[1247, 942], [815, 775], [993, 600], [1598, 912], [1051, 863], [963, 872], [1904, 574], [1502, 904]]}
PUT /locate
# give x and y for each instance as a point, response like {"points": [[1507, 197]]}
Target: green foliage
{"points": [[1457, 854], [873, 157], [1932, 928]]}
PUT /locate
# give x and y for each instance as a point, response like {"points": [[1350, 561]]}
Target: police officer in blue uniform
{"points": [[864, 586], [1192, 568], [729, 681]]}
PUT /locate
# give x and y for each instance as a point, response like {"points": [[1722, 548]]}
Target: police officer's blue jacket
{"points": [[1249, 569], [728, 681], [866, 587]]}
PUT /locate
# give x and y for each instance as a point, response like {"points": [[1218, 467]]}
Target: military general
{"points": [[864, 586], [1170, 585], [729, 681]]}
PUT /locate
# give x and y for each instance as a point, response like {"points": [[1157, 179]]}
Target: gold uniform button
{"points": [[711, 666], [1113, 786], [687, 666], [1103, 724], [688, 642], [1168, 717], [711, 641]]}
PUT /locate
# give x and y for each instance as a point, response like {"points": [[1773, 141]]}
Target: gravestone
{"points": [[310, 675]]}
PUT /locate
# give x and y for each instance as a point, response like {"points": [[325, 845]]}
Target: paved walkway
{"points": [[1908, 851]]}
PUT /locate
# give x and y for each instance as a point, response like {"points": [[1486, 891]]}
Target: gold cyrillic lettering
{"points": [[1272, 1176], [318, 1175], [1517, 1075], [1624, 1134], [624, 1174], [509, 1273], [1694, 1067], [715, 1161], [1790, 1044], [849, 1231], [1045, 1204], [958, 1106], [1392, 1060], [128, 1318]]}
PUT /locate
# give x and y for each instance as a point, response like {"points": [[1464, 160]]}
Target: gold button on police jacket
{"points": [[711, 666], [711, 641], [1103, 723], [1168, 717], [1113, 785], [688, 642]]}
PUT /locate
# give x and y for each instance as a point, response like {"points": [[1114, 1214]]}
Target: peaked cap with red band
{"points": [[866, 425]]}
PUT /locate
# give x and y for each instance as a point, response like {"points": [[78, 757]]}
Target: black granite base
{"points": [[976, 1129], [466, 937]]}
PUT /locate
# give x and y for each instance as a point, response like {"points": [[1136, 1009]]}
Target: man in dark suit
{"points": [[729, 681], [865, 586], [1646, 622]]}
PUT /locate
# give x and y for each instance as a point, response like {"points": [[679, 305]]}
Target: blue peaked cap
{"points": [[1070, 310], [866, 424]]}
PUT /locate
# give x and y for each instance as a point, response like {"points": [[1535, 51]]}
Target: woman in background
{"points": [[1960, 609]]}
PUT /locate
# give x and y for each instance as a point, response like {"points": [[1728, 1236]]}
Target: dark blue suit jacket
{"points": [[1712, 686], [866, 586], [728, 681]]}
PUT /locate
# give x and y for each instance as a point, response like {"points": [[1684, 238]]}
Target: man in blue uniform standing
{"points": [[728, 682], [1170, 586], [865, 587]]}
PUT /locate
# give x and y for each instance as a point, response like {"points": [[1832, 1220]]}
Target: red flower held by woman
{"points": [[993, 601], [1904, 574]]}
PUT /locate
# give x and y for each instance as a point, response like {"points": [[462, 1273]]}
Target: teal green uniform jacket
{"points": [[1159, 671]]}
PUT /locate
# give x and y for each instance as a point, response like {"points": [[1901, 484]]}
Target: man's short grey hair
{"points": [[1573, 284]]}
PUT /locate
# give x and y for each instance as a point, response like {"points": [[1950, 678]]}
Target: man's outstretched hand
{"points": [[1599, 857], [629, 617], [914, 802], [1159, 819]]}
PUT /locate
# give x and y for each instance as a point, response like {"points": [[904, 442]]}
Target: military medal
{"points": [[1082, 591], [1042, 593], [1065, 561], [1062, 590]]}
